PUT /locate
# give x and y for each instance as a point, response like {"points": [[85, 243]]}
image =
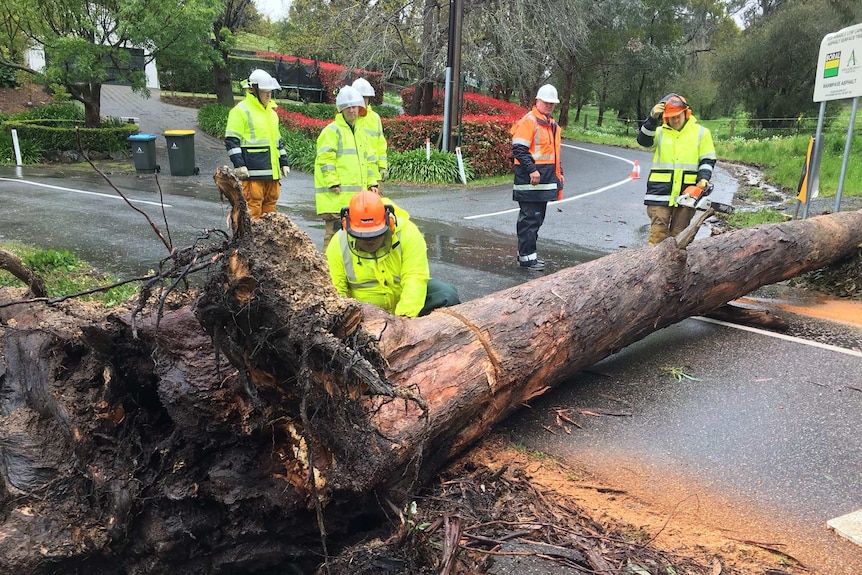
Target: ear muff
{"points": [[390, 215], [345, 218]]}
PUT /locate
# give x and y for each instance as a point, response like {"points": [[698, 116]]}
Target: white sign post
{"points": [[839, 77]]}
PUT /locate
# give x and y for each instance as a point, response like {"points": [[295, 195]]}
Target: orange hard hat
{"points": [[366, 216], [674, 104]]}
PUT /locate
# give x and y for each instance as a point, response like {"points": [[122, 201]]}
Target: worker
{"points": [[373, 127], [254, 144], [684, 156], [379, 256], [536, 142], [345, 162]]}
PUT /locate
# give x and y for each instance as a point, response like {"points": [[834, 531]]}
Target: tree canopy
{"points": [[87, 43]]}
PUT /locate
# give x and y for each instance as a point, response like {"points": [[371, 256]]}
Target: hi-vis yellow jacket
{"points": [[252, 139], [394, 278], [345, 159], [373, 127], [680, 160]]}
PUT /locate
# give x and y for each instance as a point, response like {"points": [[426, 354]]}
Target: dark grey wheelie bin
{"points": [[181, 152], [144, 153]]}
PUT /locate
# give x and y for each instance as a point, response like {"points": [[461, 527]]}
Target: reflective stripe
{"points": [[521, 141], [347, 258], [542, 187], [646, 132], [233, 151], [660, 176], [674, 166]]}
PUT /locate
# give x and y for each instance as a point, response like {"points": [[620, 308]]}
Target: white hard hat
{"points": [[364, 87], [348, 96], [262, 80], [548, 93]]}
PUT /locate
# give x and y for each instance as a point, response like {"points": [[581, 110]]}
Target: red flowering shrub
{"points": [[485, 139], [474, 103], [296, 122]]}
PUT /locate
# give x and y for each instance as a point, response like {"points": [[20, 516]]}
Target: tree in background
{"points": [[236, 15], [86, 43], [769, 71]]}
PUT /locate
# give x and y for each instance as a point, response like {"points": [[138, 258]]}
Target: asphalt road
{"points": [[769, 426]]}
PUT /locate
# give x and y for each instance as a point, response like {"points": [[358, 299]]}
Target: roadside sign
{"points": [[839, 65]]}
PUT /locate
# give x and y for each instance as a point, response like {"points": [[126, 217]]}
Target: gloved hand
{"points": [[702, 183], [384, 174], [241, 172], [285, 170], [657, 111]]}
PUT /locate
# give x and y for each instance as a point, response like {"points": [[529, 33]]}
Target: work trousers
{"points": [[331, 224], [440, 294], [260, 196], [530, 219], [665, 221]]}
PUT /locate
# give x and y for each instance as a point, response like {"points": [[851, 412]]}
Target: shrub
{"points": [[301, 150], [212, 119], [309, 127], [63, 135], [60, 111], [319, 111], [8, 78], [414, 166], [485, 140], [31, 153]]}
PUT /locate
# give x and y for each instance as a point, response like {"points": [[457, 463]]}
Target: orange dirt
{"points": [[681, 518]]}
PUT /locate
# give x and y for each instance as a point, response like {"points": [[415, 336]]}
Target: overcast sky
{"points": [[275, 10]]}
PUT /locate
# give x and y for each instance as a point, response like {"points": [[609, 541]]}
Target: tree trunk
{"points": [[223, 85], [217, 435]]}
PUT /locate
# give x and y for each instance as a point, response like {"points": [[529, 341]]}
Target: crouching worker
{"points": [[379, 256]]}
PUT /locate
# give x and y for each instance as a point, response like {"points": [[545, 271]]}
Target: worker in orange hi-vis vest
{"points": [[536, 143]]}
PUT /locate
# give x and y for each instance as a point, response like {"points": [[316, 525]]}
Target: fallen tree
{"points": [[228, 433]]}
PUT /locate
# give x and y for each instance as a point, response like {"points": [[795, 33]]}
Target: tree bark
{"points": [[223, 435]]}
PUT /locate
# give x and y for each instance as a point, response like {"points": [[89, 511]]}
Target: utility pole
{"points": [[452, 95]]}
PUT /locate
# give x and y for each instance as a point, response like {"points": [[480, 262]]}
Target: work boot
{"points": [[533, 265]]}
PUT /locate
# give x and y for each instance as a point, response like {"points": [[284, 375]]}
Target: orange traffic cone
{"points": [[636, 171]]}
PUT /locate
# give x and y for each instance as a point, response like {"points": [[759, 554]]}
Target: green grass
{"points": [[64, 274]]}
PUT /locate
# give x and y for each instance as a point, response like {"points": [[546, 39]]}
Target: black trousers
{"points": [[530, 219]]}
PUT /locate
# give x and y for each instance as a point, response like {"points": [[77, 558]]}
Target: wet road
{"points": [[769, 427]]}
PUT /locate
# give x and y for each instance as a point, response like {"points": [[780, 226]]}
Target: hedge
{"points": [[63, 134]]}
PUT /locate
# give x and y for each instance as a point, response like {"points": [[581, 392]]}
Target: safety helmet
{"points": [[675, 104], [367, 216], [364, 87], [261, 80], [349, 96], [548, 93]]}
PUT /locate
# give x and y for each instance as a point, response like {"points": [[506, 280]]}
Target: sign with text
{"points": [[839, 65]]}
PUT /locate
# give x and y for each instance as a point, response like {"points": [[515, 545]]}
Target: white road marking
{"points": [[572, 198], [794, 339], [61, 188]]}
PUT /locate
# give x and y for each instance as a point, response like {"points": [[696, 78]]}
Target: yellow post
{"points": [[802, 189]]}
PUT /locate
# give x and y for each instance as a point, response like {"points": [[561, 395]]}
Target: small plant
{"points": [[679, 373], [64, 274], [412, 510], [413, 166], [740, 219]]}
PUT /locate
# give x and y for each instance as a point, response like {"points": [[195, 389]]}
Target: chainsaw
{"points": [[698, 198]]}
